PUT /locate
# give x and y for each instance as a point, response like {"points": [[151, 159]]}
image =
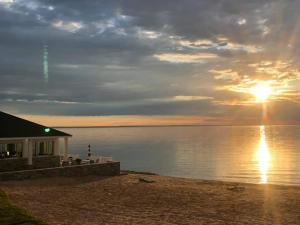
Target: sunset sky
{"points": [[141, 62]]}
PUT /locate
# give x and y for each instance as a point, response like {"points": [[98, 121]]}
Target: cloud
{"points": [[148, 34], [241, 21], [219, 45], [68, 26], [185, 58], [39, 101], [225, 75], [190, 98], [6, 1], [148, 57]]}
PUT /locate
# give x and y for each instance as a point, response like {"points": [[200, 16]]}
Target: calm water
{"points": [[253, 154]]}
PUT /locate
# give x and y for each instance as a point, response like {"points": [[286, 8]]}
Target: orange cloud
{"points": [[79, 121]]}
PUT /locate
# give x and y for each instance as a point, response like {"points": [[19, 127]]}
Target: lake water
{"points": [[254, 154]]}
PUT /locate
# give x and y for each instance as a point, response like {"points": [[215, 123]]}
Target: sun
{"points": [[261, 91]]}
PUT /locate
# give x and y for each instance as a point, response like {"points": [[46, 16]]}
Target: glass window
{"points": [[35, 149], [49, 148], [43, 148], [3, 151], [19, 149], [11, 150]]}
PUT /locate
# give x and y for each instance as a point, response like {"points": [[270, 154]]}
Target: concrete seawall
{"points": [[100, 169]]}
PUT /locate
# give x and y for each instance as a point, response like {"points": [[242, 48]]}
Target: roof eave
{"points": [[36, 137]]}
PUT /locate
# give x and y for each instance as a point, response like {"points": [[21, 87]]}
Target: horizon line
{"points": [[182, 125]]}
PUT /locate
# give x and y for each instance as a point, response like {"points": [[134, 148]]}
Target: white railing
{"points": [[92, 159], [101, 159]]}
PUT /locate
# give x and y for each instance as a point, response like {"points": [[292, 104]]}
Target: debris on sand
{"points": [[236, 188], [145, 180]]}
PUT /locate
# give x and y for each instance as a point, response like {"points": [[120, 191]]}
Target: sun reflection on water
{"points": [[263, 156]]}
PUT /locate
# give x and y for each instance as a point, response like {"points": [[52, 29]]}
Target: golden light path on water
{"points": [[263, 156]]}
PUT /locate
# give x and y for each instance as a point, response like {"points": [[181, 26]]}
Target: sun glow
{"points": [[262, 92]]}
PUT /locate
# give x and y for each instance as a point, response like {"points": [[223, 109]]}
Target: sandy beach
{"points": [[152, 199]]}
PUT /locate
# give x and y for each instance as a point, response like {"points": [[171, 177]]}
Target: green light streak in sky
{"points": [[45, 64]]}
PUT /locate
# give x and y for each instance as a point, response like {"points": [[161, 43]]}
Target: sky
{"points": [[140, 62]]}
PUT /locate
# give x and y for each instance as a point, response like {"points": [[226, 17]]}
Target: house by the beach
{"points": [[27, 145]]}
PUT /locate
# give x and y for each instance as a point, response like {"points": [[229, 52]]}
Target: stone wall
{"points": [[100, 169], [16, 164], [40, 162], [11, 164]]}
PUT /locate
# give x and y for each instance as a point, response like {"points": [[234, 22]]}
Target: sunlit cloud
{"points": [[191, 98], [68, 66], [102, 26], [18, 6], [225, 74], [50, 7], [241, 21], [275, 77], [119, 67], [7, 1], [149, 34], [263, 27], [202, 43], [177, 98], [185, 58], [68, 26], [241, 47], [40, 101], [220, 44], [113, 24], [283, 70]]}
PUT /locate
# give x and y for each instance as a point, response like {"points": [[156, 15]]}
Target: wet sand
{"points": [[150, 199]]}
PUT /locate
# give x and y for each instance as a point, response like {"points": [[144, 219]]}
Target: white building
{"points": [[27, 145]]}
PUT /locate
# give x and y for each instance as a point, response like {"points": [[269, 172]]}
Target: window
{"points": [[35, 148], [43, 148], [11, 150], [49, 147]]}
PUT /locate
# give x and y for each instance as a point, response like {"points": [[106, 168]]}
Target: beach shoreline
{"points": [[143, 198]]}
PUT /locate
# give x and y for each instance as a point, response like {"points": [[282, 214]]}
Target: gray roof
{"points": [[14, 127]]}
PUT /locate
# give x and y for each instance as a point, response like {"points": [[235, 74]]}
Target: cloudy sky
{"points": [[150, 62]]}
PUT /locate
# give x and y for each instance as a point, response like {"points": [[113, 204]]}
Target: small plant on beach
{"points": [[10, 214]]}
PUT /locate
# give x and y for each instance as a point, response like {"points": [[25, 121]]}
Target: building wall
{"points": [[105, 169], [15, 164]]}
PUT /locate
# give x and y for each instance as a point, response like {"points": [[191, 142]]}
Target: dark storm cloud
{"points": [[144, 108], [134, 57], [197, 19]]}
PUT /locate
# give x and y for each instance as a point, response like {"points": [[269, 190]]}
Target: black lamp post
{"points": [[89, 150]]}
